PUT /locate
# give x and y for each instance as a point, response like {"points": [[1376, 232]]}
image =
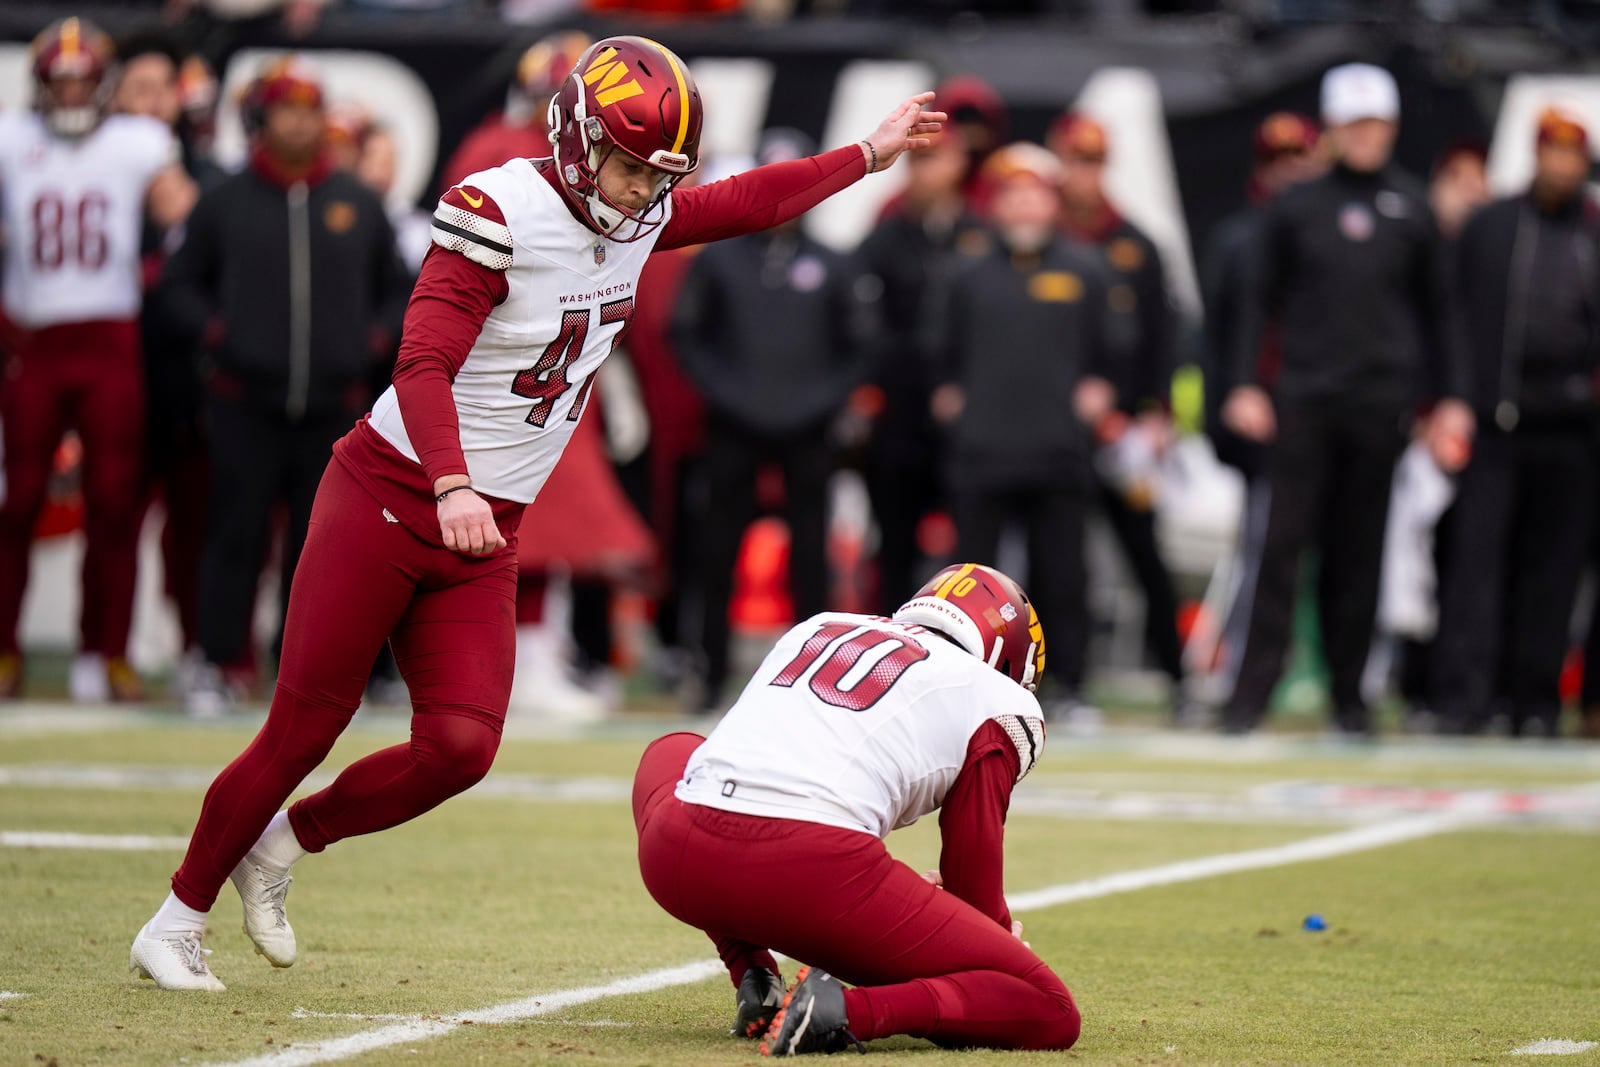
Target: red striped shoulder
{"points": [[468, 221], [472, 199]]}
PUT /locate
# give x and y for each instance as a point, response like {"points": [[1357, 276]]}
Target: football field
{"points": [[1166, 877]]}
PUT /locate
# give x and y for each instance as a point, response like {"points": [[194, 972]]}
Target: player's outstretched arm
{"points": [[909, 126], [766, 196]]}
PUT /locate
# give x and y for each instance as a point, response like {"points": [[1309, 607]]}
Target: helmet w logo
{"points": [[609, 72]]}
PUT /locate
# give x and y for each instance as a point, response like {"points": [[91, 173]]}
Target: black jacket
{"points": [[1018, 333], [296, 279], [1144, 315], [1350, 265], [909, 256], [772, 329], [1223, 276], [1529, 311]]}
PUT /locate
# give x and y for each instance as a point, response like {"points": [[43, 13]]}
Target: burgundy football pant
{"points": [[924, 962], [362, 580], [88, 376]]}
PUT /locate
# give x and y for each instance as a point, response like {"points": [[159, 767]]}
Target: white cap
{"points": [[1359, 91]]}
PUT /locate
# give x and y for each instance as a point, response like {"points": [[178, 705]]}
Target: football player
{"points": [[528, 287], [75, 184], [854, 726]]}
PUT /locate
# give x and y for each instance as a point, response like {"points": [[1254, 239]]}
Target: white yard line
{"points": [[113, 842], [1315, 848], [5, 995], [1554, 1046], [121, 778], [511, 1011], [307, 1013], [1312, 848]]}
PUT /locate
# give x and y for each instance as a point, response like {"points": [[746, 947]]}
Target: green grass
{"points": [[1447, 950]]}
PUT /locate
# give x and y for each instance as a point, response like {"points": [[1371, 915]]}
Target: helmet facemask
{"points": [[78, 119], [72, 50], [582, 176]]}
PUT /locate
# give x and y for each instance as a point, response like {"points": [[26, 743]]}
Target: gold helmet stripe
{"points": [[949, 584], [683, 95]]}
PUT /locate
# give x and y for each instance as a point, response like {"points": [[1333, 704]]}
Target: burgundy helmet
{"points": [[632, 95], [985, 613], [72, 48], [286, 79]]}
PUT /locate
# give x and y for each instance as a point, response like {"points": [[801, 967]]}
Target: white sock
{"points": [[174, 916], [278, 844]]}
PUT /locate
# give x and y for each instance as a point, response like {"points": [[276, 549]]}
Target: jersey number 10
{"points": [[870, 687]]}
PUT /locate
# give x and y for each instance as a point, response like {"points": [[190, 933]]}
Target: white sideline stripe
{"points": [[1554, 1046], [511, 1011], [1367, 837], [7, 995], [594, 788], [1312, 848], [307, 1013], [114, 842], [1573, 807]]}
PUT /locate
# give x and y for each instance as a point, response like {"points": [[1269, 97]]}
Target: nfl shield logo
{"points": [[599, 254]]}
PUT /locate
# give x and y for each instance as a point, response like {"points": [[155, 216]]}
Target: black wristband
{"points": [[454, 488], [872, 168]]}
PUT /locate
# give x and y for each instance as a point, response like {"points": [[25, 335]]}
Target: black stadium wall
{"points": [[1217, 76]]}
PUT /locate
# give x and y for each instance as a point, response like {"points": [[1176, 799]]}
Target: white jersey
{"points": [[74, 210], [858, 722], [524, 384]]}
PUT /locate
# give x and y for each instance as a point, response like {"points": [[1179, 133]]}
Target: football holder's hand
{"points": [[466, 524], [908, 126]]}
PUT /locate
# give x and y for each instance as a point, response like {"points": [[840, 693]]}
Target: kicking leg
{"points": [[455, 649], [352, 557]]}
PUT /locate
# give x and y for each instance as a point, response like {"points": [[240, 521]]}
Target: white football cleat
{"points": [[173, 960], [264, 888]]}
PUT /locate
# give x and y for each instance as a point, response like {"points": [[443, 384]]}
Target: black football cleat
{"points": [[811, 1019], [760, 997]]}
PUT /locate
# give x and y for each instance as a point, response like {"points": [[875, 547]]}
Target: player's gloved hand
{"points": [[907, 126], [1016, 932], [933, 878], [466, 522]]}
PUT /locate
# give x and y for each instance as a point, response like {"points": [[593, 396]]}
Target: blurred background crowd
{"points": [[1291, 404]]}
